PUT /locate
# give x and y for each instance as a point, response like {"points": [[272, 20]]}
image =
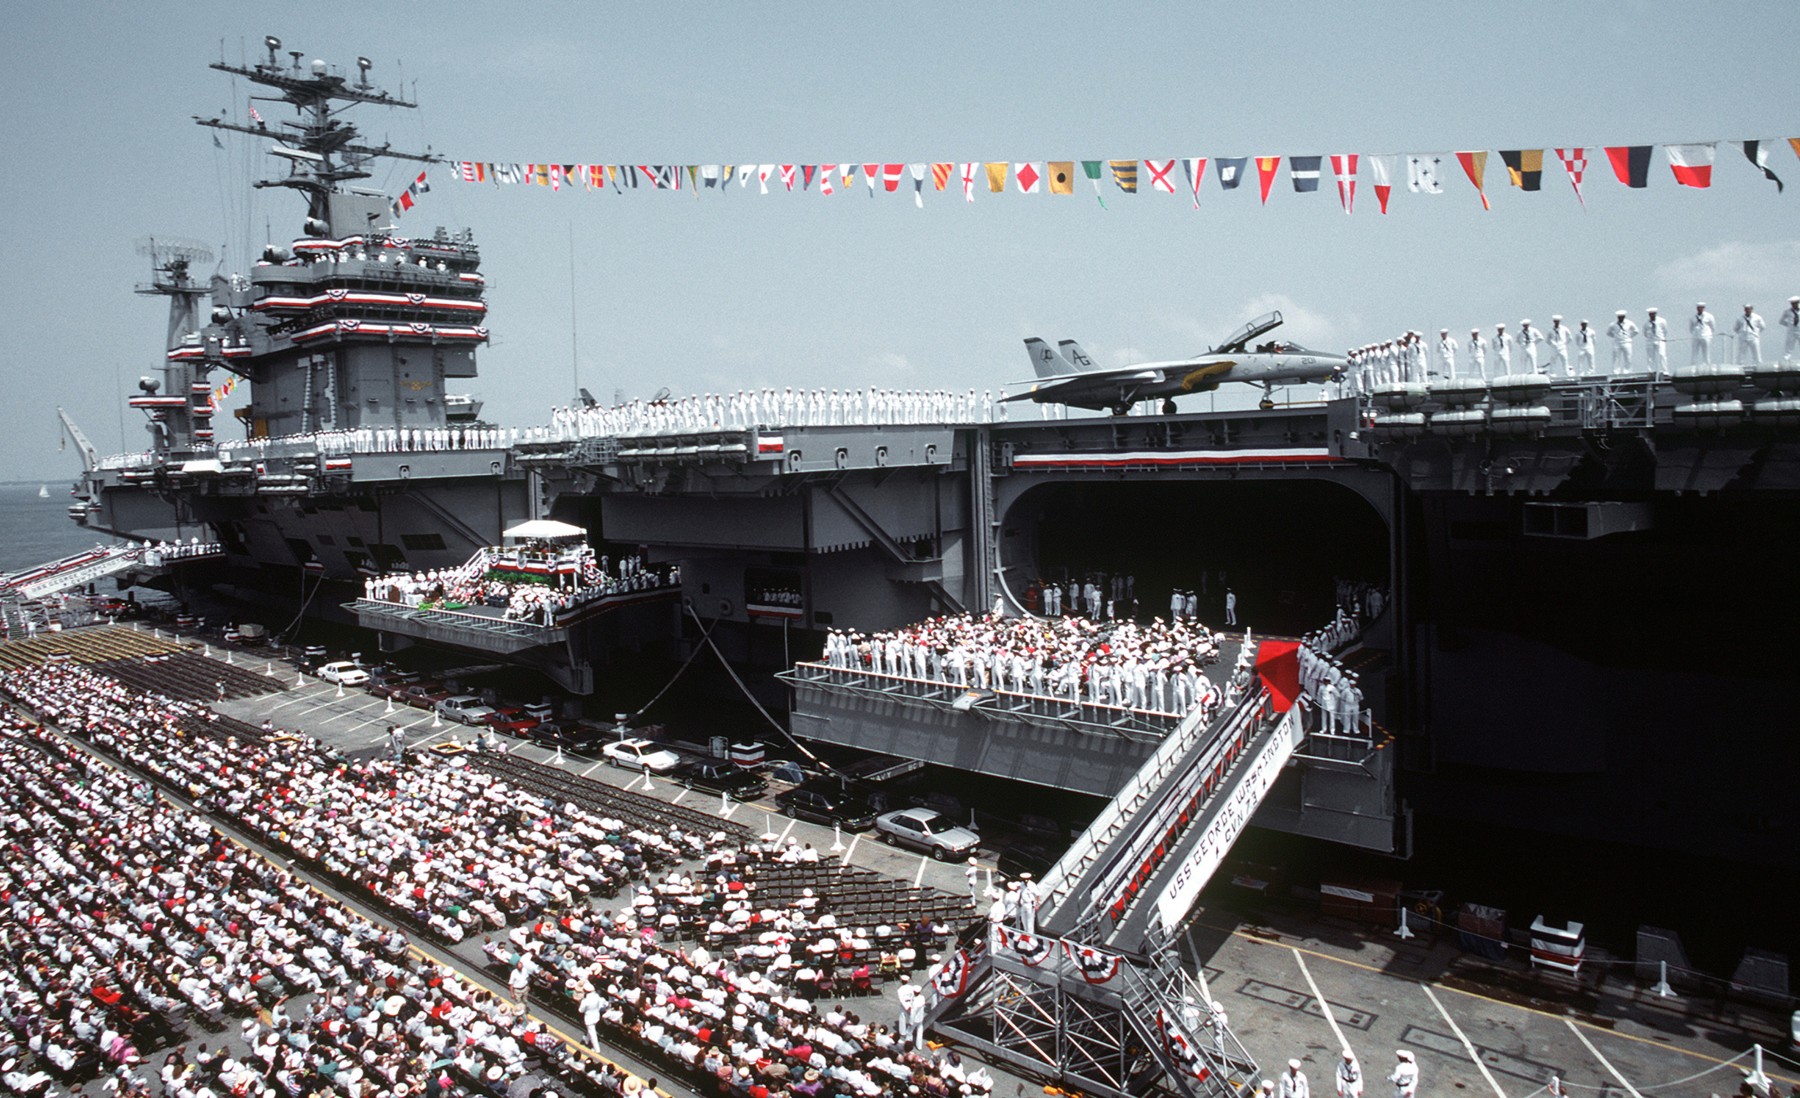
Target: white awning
{"points": [[545, 528]]}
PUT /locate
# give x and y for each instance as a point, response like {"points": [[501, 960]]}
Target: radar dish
{"points": [[164, 250]]}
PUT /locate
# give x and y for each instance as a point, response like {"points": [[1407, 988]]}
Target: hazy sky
{"points": [[746, 290]]}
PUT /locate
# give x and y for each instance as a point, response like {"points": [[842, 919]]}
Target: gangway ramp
{"points": [[1139, 867], [102, 562], [1092, 994], [70, 572]]}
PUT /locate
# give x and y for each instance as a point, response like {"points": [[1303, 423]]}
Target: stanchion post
{"points": [[724, 803], [1405, 932], [837, 838], [1757, 1078], [1662, 990]]}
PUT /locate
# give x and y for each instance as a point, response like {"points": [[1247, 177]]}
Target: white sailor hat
{"points": [[1294, 1065], [1474, 331], [1651, 309], [1699, 304], [1794, 300], [1618, 312], [1443, 331], [1749, 307], [1499, 327], [1402, 1054], [1555, 316]]}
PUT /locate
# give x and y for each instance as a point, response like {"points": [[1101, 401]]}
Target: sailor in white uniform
{"points": [[1447, 351], [1700, 335], [1349, 1076], [1529, 338], [1623, 333], [1558, 338], [1791, 321], [1406, 1075], [1503, 345], [1749, 333], [1585, 350], [1656, 342], [1477, 352]]}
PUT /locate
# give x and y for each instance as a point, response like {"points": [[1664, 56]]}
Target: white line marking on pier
{"points": [[1318, 996], [854, 839], [593, 768], [920, 875], [376, 719], [299, 697], [1604, 1062], [684, 792], [1467, 1044]]}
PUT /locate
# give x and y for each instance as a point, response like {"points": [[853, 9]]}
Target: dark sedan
{"points": [[721, 777], [824, 802]]}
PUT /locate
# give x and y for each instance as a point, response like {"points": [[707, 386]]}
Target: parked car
{"points": [[721, 777], [343, 672], [824, 801], [928, 830], [512, 719], [1024, 858], [389, 684], [640, 754], [425, 694], [464, 709]]}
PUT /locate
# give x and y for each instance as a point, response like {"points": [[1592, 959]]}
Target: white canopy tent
{"points": [[544, 529]]}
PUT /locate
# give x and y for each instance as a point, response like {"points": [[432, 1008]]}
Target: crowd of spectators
{"points": [[525, 584], [690, 964], [1156, 667], [124, 917]]}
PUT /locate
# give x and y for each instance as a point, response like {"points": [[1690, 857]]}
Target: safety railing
{"points": [[1096, 716]]}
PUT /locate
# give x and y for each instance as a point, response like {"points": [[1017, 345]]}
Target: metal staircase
{"points": [[1096, 997]]}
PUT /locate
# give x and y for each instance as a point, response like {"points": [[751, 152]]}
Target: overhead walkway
{"points": [[102, 562]]}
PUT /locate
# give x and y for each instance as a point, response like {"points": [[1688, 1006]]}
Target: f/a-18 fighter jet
{"points": [[1066, 375]]}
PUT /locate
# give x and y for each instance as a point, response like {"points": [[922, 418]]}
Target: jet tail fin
{"points": [[1072, 351], [1045, 360]]}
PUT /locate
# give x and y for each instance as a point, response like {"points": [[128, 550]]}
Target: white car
{"points": [[344, 673], [928, 830], [640, 754], [465, 709]]}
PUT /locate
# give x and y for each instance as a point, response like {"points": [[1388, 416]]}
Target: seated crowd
{"points": [[523, 587], [452, 852], [124, 916], [1155, 667]]}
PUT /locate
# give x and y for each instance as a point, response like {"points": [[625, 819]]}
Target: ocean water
{"points": [[34, 530]]}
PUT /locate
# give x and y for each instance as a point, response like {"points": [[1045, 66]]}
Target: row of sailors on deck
{"points": [[1155, 667], [381, 440], [788, 407], [1570, 352]]}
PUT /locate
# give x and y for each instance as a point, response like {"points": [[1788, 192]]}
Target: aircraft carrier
{"points": [[1582, 581]]}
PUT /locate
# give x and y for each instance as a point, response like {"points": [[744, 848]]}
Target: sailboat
{"points": [[43, 491]]}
